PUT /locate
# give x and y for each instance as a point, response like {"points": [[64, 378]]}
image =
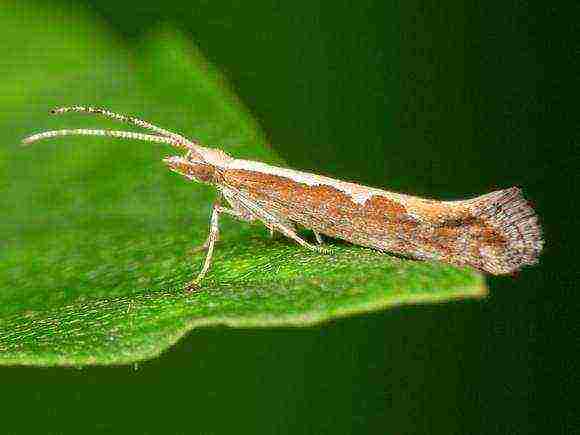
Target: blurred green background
{"points": [[444, 101]]}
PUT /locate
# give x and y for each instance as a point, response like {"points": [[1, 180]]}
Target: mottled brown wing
{"points": [[497, 232], [379, 222], [250, 211]]}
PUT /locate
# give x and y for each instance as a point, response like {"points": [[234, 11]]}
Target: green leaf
{"points": [[96, 234]]}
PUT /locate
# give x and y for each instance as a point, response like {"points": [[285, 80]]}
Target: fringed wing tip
{"points": [[516, 222]]}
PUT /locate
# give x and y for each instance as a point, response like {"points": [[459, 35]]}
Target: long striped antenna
{"points": [[120, 134], [124, 118], [194, 150]]}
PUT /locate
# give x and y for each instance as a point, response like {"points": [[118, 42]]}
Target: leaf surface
{"points": [[96, 234]]}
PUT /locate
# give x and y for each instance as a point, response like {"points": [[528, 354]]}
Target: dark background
{"points": [[444, 101]]}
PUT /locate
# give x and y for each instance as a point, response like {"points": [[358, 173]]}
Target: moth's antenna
{"points": [[109, 133], [124, 118]]}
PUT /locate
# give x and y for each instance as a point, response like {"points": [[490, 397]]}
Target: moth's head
{"points": [[192, 169]]}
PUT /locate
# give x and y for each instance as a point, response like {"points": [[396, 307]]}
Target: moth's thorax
{"points": [[213, 156], [194, 170]]}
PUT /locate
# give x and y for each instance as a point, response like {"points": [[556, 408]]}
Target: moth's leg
{"points": [[272, 229], [243, 212], [212, 238], [205, 245], [318, 237], [291, 233], [273, 222], [236, 210]]}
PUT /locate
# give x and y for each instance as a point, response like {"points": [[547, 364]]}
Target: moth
{"points": [[497, 233]]}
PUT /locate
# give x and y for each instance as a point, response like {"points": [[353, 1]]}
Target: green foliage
{"points": [[96, 234]]}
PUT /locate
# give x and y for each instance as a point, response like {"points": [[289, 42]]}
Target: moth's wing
{"points": [[378, 222]]}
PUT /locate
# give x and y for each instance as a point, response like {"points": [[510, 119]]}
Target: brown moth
{"points": [[497, 233]]}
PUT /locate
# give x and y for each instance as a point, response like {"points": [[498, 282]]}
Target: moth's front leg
{"points": [[216, 239], [235, 209], [211, 239]]}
